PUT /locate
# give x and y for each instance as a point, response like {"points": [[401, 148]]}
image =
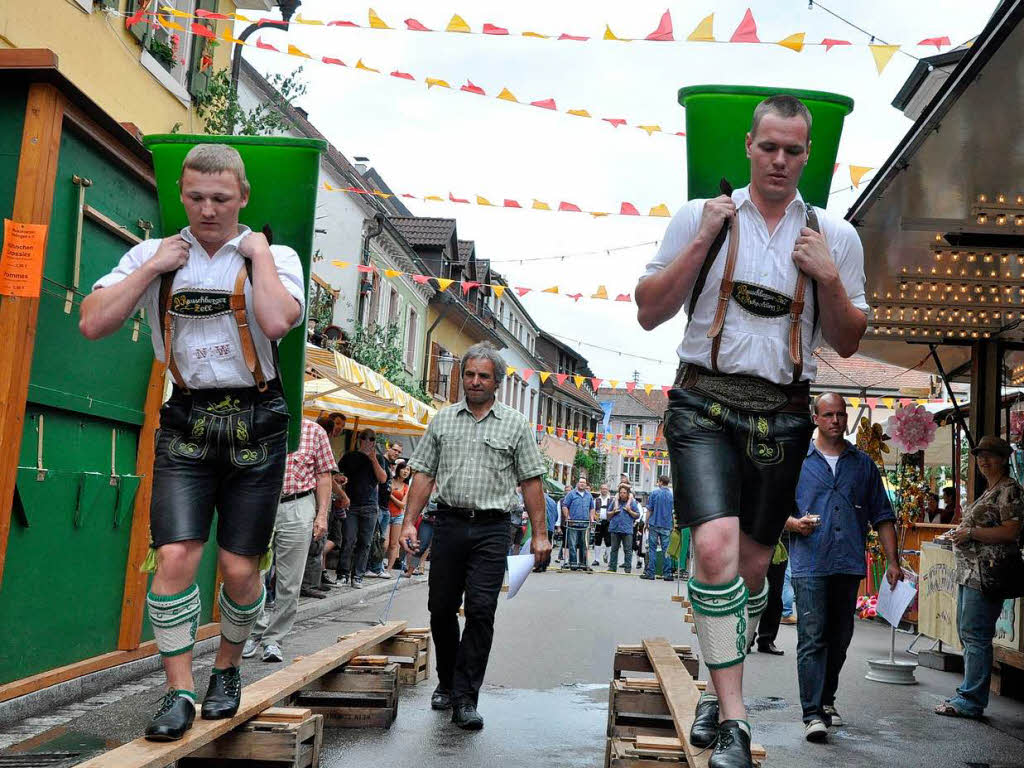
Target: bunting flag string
{"points": [[746, 31]]}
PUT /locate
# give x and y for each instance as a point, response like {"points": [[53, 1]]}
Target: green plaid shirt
{"points": [[476, 464]]}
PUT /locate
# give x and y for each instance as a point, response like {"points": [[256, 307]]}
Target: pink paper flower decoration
{"points": [[911, 428]]}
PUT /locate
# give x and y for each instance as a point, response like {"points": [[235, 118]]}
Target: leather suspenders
{"points": [[236, 303], [796, 307]]}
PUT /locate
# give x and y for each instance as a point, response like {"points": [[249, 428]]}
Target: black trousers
{"points": [[467, 566], [768, 627]]}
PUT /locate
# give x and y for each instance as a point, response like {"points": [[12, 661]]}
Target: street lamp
{"points": [[445, 361]]}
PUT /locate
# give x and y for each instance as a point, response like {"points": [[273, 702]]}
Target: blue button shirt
{"points": [[847, 502], [579, 504], [661, 504], [551, 507], [622, 521]]}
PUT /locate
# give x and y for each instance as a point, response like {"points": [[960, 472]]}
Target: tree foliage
{"points": [[590, 463], [221, 112], [380, 348]]}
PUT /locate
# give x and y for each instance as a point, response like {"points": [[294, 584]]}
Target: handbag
{"points": [[1003, 578]]}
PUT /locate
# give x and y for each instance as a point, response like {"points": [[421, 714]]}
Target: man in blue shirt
{"points": [[839, 495], [551, 509], [578, 506], [659, 529], [622, 516]]}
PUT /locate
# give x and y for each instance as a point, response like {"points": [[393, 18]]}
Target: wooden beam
{"points": [[133, 602], [33, 204], [256, 698], [87, 666], [680, 694]]}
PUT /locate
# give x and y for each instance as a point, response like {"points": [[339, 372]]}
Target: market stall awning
{"points": [[341, 384]]}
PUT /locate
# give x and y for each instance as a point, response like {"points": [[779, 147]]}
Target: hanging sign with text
{"points": [[21, 261]]}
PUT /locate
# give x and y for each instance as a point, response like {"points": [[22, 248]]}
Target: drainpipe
{"points": [[371, 228]]}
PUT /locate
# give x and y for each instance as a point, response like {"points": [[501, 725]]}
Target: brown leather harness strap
{"points": [[796, 308], [724, 292], [167, 320], [237, 303]]}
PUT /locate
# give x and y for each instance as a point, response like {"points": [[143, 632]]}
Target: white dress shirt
{"points": [[751, 343], [207, 350]]}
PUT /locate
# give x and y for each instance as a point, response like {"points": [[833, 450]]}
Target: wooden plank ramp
{"points": [[681, 695], [256, 698]]}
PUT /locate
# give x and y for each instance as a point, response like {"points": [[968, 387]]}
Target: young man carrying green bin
{"points": [[738, 421], [218, 296]]}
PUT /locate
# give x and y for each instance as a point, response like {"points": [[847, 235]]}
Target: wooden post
{"points": [[33, 204], [133, 604]]}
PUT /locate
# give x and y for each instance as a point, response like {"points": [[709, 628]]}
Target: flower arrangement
{"points": [[867, 606], [911, 428], [871, 440]]}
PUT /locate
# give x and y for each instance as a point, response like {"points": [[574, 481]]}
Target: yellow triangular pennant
{"points": [[443, 283], [650, 128], [855, 402], [293, 51], [613, 383], [551, 430], [328, 187], [598, 214], [392, 272], [541, 206], [579, 112], [793, 42], [889, 402], [340, 264], [648, 388], [311, 22], [175, 12], [857, 173], [360, 65], [535, 34], [482, 200], [660, 210], [435, 198], [376, 22], [509, 370], [570, 433], [457, 24], [552, 289], [882, 55], [609, 35], [544, 376], [704, 31], [432, 81], [506, 95], [499, 290], [601, 293], [578, 381], [227, 37]]}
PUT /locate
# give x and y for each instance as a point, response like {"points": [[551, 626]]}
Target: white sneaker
{"points": [[816, 731], [251, 646], [834, 716], [273, 653], [383, 575]]}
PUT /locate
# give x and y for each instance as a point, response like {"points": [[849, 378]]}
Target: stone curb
{"points": [[61, 694]]}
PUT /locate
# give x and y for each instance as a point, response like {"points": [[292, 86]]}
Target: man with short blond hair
{"points": [[219, 297]]}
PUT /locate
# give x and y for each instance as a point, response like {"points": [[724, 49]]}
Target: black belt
{"points": [[472, 515], [296, 496]]}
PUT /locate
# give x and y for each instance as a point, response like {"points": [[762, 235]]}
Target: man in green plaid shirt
{"points": [[473, 453]]}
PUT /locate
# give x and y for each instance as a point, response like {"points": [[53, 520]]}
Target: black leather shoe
{"points": [[770, 648], [733, 747], [465, 716], [441, 699], [224, 694], [704, 730], [174, 717]]}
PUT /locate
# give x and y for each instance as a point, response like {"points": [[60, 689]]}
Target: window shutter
{"points": [[140, 30], [199, 78]]}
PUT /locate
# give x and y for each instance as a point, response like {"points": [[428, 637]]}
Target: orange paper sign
{"points": [[21, 262]]}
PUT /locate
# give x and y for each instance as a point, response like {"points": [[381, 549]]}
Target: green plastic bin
{"points": [[718, 119], [283, 174]]}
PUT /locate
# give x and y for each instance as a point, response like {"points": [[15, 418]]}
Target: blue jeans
{"points": [[625, 540], [655, 535], [823, 635], [787, 593], [383, 524], [976, 624], [577, 538]]}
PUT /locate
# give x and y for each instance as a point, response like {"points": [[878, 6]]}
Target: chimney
{"points": [[362, 164], [302, 112]]}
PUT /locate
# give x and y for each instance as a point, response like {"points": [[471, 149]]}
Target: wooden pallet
{"points": [[355, 696], [282, 737], [256, 698], [633, 658], [637, 707], [411, 651], [655, 752]]}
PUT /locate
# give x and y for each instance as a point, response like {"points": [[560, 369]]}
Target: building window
{"points": [[394, 305], [664, 468], [411, 327], [631, 467], [633, 429]]}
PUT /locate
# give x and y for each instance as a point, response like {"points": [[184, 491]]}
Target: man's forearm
{"points": [[660, 296], [275, 309], [323, 493], [842, 324], [887, 537], [378, 470], [420, 489], [104, 310], [533, 498]]}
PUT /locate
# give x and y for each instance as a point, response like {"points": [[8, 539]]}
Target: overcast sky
{"points": [[439, 141]]}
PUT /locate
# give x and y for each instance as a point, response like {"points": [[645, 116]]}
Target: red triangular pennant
{"points": [[403, 75], [203, 31], [574, 296], [938, 42], [490, 29], [746, 32], [578, 38], [628, 209], [623, 297], [830, 42], [415, 26], [421, 279], [527, 373], [366, 268], [342, 24], [523, 291], [136, 17], [561, 377], [596, 382], [456, 199], [569, 207], [872, 402], [329, 60], [665, 388], [469, 87], [664, 30], [467, 286], [615, 121], [264, 46], [544, 104], [512, 204]]}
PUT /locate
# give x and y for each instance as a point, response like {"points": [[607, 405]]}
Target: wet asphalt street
{"points": [[545, 701]]}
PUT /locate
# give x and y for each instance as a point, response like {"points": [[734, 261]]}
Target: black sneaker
{"points": [[328, 578], [440, 699], [174, 717], [465, 716], [704, 730], [646, 577], [732, 749], [224, 694]]}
